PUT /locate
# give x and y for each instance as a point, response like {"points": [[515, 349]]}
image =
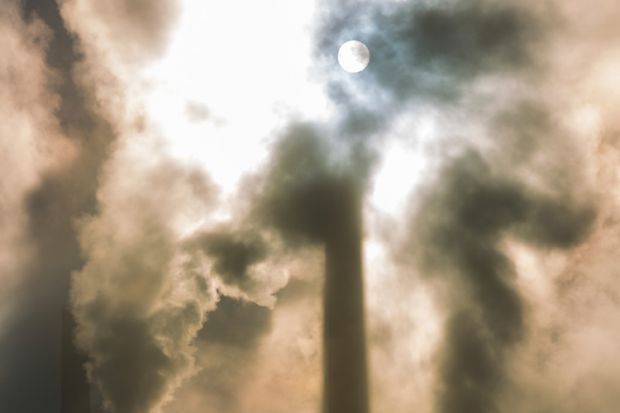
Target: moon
{"points": [[353, 56]]}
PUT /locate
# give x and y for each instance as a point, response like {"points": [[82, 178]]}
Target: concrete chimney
{"points": [[345, 370]]}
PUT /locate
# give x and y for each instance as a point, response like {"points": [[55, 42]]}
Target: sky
{"points": [[183, 182]]}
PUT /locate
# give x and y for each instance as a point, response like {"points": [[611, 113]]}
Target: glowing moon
{"points": [[353, 56]]}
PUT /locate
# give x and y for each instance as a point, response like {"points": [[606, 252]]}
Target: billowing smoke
{"points": [[459, 228], [166, 293], [58, 174], [424, 52], [229, 342], [307, 200], [233, 254], [156, 264], [175, 186], [445, 55]]}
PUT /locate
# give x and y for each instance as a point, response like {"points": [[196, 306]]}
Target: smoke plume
{"points": [[65, 143], [182, 179], [459, 228]]}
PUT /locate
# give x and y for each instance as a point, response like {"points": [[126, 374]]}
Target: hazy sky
{"points": [[172, 170]]}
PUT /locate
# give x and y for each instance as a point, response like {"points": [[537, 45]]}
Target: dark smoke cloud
{"points": [[142, 296], [233, 253], [437, 53], [137, 352], [235, 323], [422, 52], [228, 343], [299, 191], [304, 190], [419, 53], [308, 200], [428, 51], [459, 227]]}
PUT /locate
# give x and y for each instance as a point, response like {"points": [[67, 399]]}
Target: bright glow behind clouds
{"points": [[353, 56], [248, 66]]}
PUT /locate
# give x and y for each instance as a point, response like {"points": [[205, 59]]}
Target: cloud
{"points": [[428, 51], [140, 284], [191, 298]]}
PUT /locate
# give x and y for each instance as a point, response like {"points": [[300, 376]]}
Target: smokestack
{"points": [[311, 202], [75, 390], [345, 372]]}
